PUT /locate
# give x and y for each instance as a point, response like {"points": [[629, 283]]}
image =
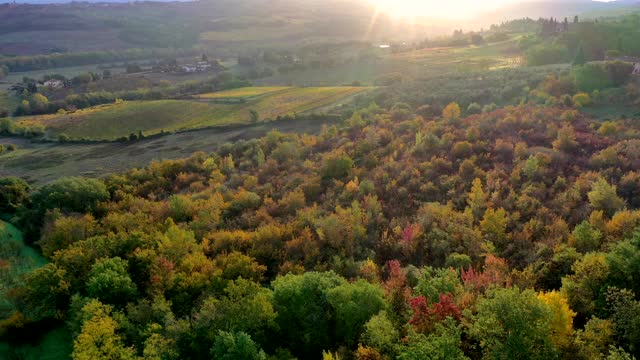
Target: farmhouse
{"points": [[53, 84], [200, 66]]}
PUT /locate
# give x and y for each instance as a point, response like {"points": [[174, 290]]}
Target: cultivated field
{"points": [[151, 117], [247, 92]]}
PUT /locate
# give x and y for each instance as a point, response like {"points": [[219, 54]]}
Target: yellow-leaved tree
{"points": [[562, 323], [452, 112]]}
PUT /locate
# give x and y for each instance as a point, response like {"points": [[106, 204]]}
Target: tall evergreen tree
{"points": [[580, 58]]}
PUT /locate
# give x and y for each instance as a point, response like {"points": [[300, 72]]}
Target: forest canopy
{"points": [[508, 233]]}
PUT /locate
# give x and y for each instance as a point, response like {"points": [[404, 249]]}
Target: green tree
{"points": [[434, 282], [236, 346], [39, 103], [354, 304], [584, 287], [513, 324], [604, 196], [624, 264], [246, 307], [580, 58], [380, 334], [594, 339], [255, 117], [14, 192], [585, 237], [7, 126], [46, 292], [337, 167], [625, 310], [443, 344], [550, 272], [303, 310], [69, 194], [109, 281], [591, 76]]}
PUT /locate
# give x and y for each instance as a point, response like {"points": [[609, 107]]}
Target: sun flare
{"points": [[446, 9]]}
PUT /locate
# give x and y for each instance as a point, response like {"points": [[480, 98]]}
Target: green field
{"points": [[151, 117]]}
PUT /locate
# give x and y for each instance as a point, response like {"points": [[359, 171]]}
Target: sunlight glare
{"points": [[445, 9]]}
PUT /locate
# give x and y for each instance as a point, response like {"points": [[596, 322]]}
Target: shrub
{"points": [[474, 108], [581, 99]]}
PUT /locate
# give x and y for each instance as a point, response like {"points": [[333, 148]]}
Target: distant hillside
{"points": [[30, 29], [558, 9]]}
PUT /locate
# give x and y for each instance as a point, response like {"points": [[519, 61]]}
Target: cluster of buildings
{"points": [[53, 84], [200, 66]]}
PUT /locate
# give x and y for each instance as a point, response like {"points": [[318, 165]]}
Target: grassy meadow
{"points": [[19, 259], [41, 163], [112, 121]]}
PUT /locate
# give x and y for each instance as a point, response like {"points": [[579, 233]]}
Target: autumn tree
{"points": [[562, 322], [494, 227], [477, 199], [452, 112], [566, 139], [98, 338]]}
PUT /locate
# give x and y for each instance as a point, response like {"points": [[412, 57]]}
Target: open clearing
{"points": [[41, 163], [113, 121]]}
